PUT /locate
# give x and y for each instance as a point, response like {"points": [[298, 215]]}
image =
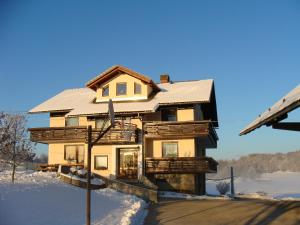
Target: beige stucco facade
{"points": [[57, 121], [56, 152], [186, 147], [130, 95]]}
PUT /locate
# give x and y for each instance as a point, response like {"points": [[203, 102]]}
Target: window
{"points": [[121, 88], [100, 122], [74, 153], [105, 91], [72, 121], [101, 162], [169, 149], [169, 115], [137, 88]]}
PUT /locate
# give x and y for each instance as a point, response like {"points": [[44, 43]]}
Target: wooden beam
{"points": [[292, 126]]}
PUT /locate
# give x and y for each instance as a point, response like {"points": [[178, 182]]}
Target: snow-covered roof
{"points": [[286, 104], [81, 101]]}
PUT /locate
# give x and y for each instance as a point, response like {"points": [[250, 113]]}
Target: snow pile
{"points": [[279, 186], [40, 198], [94, 180], [169, 194]]}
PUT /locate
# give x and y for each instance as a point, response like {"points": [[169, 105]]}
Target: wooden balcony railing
{"points": [[181, 165], [179, 129], [120, 134]]}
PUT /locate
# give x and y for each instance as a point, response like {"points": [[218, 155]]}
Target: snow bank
{"points": [[169, 194], [279, 185], [40, 198]]}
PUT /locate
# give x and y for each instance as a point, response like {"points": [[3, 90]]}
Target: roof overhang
{"points": [[276, 113], [115, 70]]}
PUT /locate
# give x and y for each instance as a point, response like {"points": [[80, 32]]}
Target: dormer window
{"points": [[105, 91], [137, 88], [121, 88]]}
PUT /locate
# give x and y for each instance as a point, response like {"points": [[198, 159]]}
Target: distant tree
{"points": [[15, 146], [223, 187]]}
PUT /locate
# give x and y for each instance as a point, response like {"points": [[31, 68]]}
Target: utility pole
{"points": [[231, 181], [91, 143], [88, 190]]}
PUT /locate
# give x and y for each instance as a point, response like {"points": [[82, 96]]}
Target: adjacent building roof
{"points": [[81, 101], [275, 113], [117, 69]]}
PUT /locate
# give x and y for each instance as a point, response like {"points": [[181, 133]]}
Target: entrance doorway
{"points": [[128, 163]]}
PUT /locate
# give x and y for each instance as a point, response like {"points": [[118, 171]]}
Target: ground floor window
{"points": [[101, 162], [169, 149], [74, 153]]}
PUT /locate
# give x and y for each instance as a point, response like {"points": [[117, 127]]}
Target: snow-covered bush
{"points": [[223, 187], [73, 170], [82, 173]]}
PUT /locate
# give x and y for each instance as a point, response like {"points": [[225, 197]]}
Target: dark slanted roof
{"points": [[115, 70]]}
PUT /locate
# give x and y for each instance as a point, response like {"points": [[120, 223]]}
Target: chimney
{"points": [[164, 78]]}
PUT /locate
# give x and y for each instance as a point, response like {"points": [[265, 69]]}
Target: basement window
{"points": [[101, 162], [170, 149]]}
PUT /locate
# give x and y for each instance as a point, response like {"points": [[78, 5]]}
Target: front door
{"points": [[128, 163]]}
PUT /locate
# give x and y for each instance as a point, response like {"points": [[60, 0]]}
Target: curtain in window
{"points": [[70, 153], [170, 149], [80, 153]]}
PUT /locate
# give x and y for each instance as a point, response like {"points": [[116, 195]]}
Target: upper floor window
{"points": [[105, 91], [72, 121], [100, 123], [169, 149], [137, 88], [169, 115], [121, 88]]}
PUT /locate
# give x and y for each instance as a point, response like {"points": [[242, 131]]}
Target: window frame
{"points": [[101, 168], [102, 119], [76, 152], [168, 109], [103, 88], [135, 87], [66, 121], [117, 91], [169, 142]]}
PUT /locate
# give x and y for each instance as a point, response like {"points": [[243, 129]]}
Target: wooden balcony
{"points": [[117, 135], [181, 165], [180, 129]]}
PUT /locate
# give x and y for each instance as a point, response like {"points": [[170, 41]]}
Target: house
{"points": [[162, 133], [274, 115]]}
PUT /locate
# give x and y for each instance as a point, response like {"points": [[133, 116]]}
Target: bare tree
{"points": [[15, 146], [42, 158]]}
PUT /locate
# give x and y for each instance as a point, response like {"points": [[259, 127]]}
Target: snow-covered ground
{"points": [[278, 185], [40, 198]]}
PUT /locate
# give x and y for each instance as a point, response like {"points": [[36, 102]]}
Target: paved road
{"points": [[223, 212]]}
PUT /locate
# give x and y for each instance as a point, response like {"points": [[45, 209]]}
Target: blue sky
{"points": [[251, 49]]}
